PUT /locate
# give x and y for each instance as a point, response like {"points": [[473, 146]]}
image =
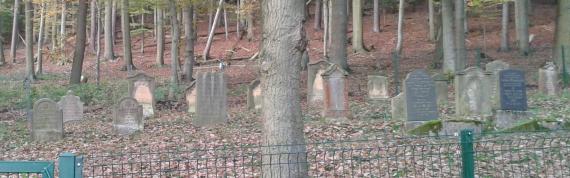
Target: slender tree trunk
{"points": [[210, 14], [318, 12], [225, 22], [431, 9], [522, 28], [109, 33], [562, 35], [238, 20], [62, 27], [174, 53], [39, 69], [14, 31], [80, 36], [329, 21], [189, 37], [376, 16], [142, 34], [461, 54], [29, 40], [339, 28], [2, 58], [465, 18], [127, 53], [159, 37], [154, 22], [114, 20], [400, 28], [211, 35], [249, 21], [505, 27], [283, 124], [98, 51], [357, 44], [448, 37], [327, 27], [93, 28], [54, 32]]}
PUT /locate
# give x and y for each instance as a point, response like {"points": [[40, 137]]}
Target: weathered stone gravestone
{"points": [[128, 116], [421, 101], [141, 88], [494, 68], [512, 89], [398, 107], [190, 95], [47, 121], [336, 93], [441, 88], [548, 79], [315, 90], [72, 107], [211, 108], [254, 95], [472, 87], [378, 88]]}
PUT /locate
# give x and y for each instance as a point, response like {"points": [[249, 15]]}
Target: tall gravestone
{"points": [[128, 116], [421, 100], [315, 86], [72, 107], [141, 88], [473, 93], [254, 95], [211, 96], [512, 87], [441, 88], [378, 88], [494, 68], [336, 93], [190, 96], [47, 121], [548, 79]]}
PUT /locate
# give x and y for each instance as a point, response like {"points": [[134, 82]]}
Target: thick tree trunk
{"points": [[15, 30], [109, 54], [211, 34], [318, 12], [339, 28], [448, 37], [29, 40], [327, 27], [562, 36], [431, 9], [399, 44], [283, 124], [80, 36], [521, 7], [93, 32], [159, 37], [127, 53], [461, 54], [505, 28], [174, 50], [376, 16], [189, 40], [39, 69], [357, 44], [62, 24]]}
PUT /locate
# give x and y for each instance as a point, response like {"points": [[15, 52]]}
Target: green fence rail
{"points": [[70, 166]]}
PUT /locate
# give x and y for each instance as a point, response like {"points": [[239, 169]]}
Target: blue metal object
{"points": [[46, 168], [70, 165]]}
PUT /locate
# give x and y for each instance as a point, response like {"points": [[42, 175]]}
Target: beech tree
{"points": [[376, 16], [318, 12], [461, 54], [357, 44], [159, 37], [189, 41], [15, 30], [505, 27], [39, 67], [108, 51], [127, 53], [29, 42], [337, 51], [562, 34], [174, 47], [448, 36], [282, 46], [80, 36], [521, 8]]}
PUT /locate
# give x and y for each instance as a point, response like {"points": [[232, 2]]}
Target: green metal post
{"points": [[467, 154], [70, 165]]}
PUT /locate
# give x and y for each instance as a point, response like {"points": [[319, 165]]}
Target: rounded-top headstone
{"points": [[47, 121]]}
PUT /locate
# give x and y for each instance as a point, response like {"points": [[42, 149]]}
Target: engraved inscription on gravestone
{"points": [[141, 87], [72, 107], [211, 97], [47, 121], [128, 116], [421, 101], [513, 90]]}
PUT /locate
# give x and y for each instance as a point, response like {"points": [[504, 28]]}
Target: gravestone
{"points": [[141, 88], [336, 93], [494, 68], [128, 116], [211, 94], [421, 101], [472, 93], [548, 79], [512, 88], [398, 107], [315, 86], [71, 106], [254, 95], [47, 121], [378, 88], [190, 95], [441, 88]]}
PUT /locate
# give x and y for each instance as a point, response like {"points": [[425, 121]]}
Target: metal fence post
{"points": [[70, 165], [467, 154]]}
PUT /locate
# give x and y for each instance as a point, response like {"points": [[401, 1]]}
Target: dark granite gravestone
{"points": [[512, 87], [47, 121], [421, 100]]}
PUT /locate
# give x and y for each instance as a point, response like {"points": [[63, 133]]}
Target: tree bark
{"points": [[505, 27], [400, 28], [2, 58], [211, 35], [54, 32], [357, 44], [431, 9], [210, 14], [14, 31], [461, 54], [62, 24], [159, 37], [80, 36], [521, 7], [109, 54], [98, 49], [29, 40], [39, 69], [114, 20], [189, 37], [376, 17], [174, 51], [448, 37], [339, 28], [142, 34], [93, 32], [318, 12], [280, 67], [238, 20], [327, 27], [249, 21], [225, 22], [562, 34], [127, 53]]}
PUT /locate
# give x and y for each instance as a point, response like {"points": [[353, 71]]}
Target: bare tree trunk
{"points": [[29, 40], [283, 124], [461, 54], [376, 17], [318, 12], [81, 35], [159, 37], [211, 35], [339, 28], [109, 33], [98, 49], [14, 31], [327, 27], [562, 35], [225, 22], [39, 69], [154, 21], [210, 14], [249, 21], [357, 44], [505, 28], [62, 27], [189, 37], [2, 58], [174, 51], [431, 9], [400, 28], [127, 54], [54, 33], [238, 20], [329, 21], [93, 32], [142, 34], [522, 28], [114, 20], [448, 37]]}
